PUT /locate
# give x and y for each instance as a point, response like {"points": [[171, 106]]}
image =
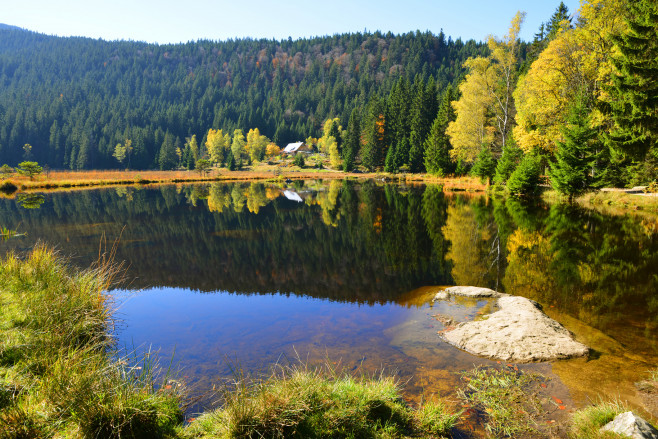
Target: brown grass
{"points": [[58, 180]]}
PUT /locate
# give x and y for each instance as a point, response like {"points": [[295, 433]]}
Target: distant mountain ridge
{"points": [[9, 26], [74, 98]]}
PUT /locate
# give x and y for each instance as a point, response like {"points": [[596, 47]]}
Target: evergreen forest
{"points": [[72, 100], [576, 107]]}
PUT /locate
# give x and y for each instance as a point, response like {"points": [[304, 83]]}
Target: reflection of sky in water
{"points": [[211, 333]]}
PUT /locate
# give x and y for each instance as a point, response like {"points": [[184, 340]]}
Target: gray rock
{"points": [[631, 425], [518, 332], [473, 292]]}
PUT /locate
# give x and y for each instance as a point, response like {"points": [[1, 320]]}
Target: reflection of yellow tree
{"points": [[238, 197], [467, 246], [219, 197], [328, 201], [528, 271], [256, 197]]}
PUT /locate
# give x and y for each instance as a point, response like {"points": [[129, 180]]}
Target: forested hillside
{"points": [[67, 102]]}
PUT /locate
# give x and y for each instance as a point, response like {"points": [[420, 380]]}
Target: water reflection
{"points": [[334, 268]]}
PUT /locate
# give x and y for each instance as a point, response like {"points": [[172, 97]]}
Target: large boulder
{"points": [[518, 332], [630, 425]]}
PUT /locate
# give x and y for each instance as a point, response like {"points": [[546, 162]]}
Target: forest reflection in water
{"points": [[294, 265]]}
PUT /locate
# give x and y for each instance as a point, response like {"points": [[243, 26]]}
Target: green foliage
{"points": [[461, 168], [352, 142], [85, 98], [29, 169], [167, 158], [503, 394], [56, 356], [6, 171], [633, 105], [230, 162], [508, 161], [437, 144], [390, 165], [587, 422], [484, 166], [203, 166], [299, 160], [526, 178], [575, 158]]}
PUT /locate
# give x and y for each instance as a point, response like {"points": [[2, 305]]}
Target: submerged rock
{"points": [[631, 425], [519, 331]]}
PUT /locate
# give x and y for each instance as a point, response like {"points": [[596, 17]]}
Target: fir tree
{"points": [[571, 173]]}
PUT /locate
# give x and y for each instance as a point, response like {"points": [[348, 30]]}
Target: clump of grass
{"points": [[587, 422], [502, 396], [56, 373], [297, 401]]}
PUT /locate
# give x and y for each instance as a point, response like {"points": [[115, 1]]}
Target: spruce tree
{"points": [[437, 145], [372, 152], [634, 94], [485, 165], [352, 142], [167, 158], [526, 178], [389, 165], [508, 162], [571, 172]]}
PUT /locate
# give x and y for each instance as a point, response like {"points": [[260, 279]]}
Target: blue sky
{"points": [[169, 21]]}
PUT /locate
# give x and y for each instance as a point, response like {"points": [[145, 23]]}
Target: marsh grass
{"points": [[502, 395], [302, 402], [587, 422], [57, 376]]}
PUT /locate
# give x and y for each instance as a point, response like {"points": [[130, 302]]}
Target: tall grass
{"points": [[301, 402], [502, 395], [56, 373], [587, 422]]}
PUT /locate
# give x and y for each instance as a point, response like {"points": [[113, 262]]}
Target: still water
{"points": [[249, 274]]}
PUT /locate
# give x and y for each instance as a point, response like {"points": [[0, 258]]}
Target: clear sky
{"points": [[173, 21]]}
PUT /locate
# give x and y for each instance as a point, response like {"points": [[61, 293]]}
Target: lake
{"points": [[230, 276]]}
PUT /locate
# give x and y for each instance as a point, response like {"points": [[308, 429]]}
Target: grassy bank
{"points": [[613, 202], [60, 377], [57, 378]]}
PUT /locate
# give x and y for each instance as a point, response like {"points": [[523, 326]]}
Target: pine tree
{"points": [[571, 173], [634, 94]]}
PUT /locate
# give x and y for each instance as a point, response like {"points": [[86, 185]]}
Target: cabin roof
{"points": [[292, 147]]}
